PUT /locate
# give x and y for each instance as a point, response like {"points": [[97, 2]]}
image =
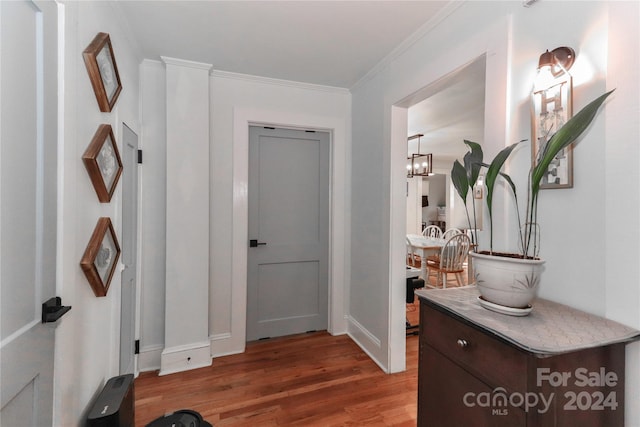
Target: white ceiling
{"points": [[452, 112], [332, 43]]}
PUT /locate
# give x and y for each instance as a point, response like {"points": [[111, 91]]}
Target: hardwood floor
{"points": [[311, 379]]}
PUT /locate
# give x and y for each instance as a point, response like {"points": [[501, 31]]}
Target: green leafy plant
{"points": [[464, 177]]}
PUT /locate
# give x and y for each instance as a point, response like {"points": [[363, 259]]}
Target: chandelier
{"points": [[419, 164]]}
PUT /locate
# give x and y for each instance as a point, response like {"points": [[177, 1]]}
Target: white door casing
{"points": [[287, 279], [234, 341], [28, 203]]}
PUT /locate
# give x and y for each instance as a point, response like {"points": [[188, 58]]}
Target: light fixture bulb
{"points": [[544, 79], [553, 66]]}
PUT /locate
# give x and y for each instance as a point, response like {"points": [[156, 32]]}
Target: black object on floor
{"points": [[181, 418], [413, 283], [114, 406]]}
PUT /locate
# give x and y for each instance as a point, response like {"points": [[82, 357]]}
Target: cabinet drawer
{"points": [[496, 363], [443, 397]]}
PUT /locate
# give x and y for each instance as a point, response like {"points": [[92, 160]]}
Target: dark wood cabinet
{"points": [[472, 375]]}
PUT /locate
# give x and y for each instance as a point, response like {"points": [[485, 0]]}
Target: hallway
{"points": [[310, 379]]}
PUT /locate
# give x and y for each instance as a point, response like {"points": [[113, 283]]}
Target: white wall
{"points": [[235, 101], [513, 37], [622, 191], [562, 234], [379, 166], [414, 205], [87, 339], [437, 193], [370, 179], [153, 202]]}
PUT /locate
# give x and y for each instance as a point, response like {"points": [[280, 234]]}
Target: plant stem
{"points": [[468, 218]]}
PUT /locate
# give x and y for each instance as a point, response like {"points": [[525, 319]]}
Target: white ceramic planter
{"points": [[510, 282]]}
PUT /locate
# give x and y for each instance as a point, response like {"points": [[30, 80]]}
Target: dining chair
{"points": [[432, 231], [411, 253], [451, 232], [451, 260], [446, 236]]}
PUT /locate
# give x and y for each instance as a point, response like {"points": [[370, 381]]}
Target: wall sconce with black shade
{"points": [[419, 164], [551, 107]]}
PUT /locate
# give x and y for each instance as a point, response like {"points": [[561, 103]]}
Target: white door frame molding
{"points": [[338, 227], [289, 212]]}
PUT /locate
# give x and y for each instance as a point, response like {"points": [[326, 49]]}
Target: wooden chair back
{"points": [[432, 231]]}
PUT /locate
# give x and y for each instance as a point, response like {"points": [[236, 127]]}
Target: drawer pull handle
{"points": [[463, 343]]}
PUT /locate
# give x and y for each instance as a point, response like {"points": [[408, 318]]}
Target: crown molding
{"points": [[278, 82], [185, 63], [427, 27]]}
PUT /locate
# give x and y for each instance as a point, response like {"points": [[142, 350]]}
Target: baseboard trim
{"points": [[368, 342], [224, 344], [149, 358], [185, 358]]}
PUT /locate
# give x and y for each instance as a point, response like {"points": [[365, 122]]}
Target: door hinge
{"points": [[136, 347], [139, 157]]}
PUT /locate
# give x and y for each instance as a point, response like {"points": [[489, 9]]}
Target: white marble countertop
{"points": [[550, 328]]}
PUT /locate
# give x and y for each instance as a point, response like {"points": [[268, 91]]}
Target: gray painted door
{"points": [[289, 212], [28, 171], [129, 249]]}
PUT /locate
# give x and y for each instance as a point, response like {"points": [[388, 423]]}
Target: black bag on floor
{"points": [[182, 418]]}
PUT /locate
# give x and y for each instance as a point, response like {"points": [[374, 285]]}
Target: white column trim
{"points": [[187, 217]]}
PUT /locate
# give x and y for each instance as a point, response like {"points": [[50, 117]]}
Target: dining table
{"points": [[427, 246], [432, 246]]}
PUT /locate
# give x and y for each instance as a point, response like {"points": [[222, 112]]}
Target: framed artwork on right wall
{"points": [[103, 163], [551, 108], [103, 71], [101, 257]]}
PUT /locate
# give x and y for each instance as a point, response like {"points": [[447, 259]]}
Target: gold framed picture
{"points": [[103, 163], [103, 71], [101, 257]]}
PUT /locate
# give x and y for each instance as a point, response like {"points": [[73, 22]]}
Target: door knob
{"points": [[253, 243], [463, 343]]}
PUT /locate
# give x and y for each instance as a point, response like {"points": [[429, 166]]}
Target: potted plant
{"points": [[516, 289]]}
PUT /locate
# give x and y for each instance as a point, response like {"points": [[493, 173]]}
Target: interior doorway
{"points": [[445, 113], [234, 304], [287, 273], [129, 249]]}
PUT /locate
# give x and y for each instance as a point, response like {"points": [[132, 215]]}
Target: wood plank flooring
{"points": [[311, 379]]}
